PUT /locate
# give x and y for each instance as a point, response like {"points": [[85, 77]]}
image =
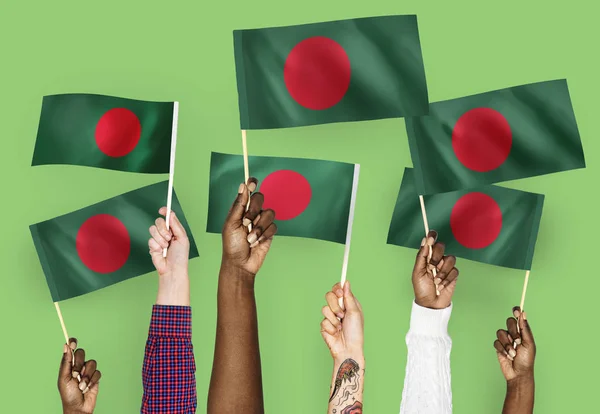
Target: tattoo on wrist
{"points": [[346, 385]]}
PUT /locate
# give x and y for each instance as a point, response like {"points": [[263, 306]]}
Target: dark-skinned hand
{"points": [[516, 347], [424, 283], [78, 397], [243, 249]]}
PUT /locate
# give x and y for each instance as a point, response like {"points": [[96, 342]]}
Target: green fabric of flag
{"points": [[311, 198], [518, 132], [103, 244], [489, 224], [105, 132], [339, 71]]}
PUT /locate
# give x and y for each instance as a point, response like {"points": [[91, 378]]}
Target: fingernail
{"points": [[168, 236], [511, 358], [339, 293], [252, 187], [82, 385], [75, 374], [253, 245], [246, 222], [430, 241], [440, 287], [518, 341], [86, 390], [423, 242], [437, 280], [252, 238], [340, 315], [241, 189], [512, 353]]}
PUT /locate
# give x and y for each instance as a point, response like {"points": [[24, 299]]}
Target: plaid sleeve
{"points": [[168, 374]]}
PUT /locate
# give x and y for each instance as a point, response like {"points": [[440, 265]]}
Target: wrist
{"points": [[521, 382], [67, 410], [237, 275], [173, 290], [359, 358]]}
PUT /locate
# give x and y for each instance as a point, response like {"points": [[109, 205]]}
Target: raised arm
{"points": [[168, 373], [236, 382], [427, 384], [516, 354], [342, 330]]}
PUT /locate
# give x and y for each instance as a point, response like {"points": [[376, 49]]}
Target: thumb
{"points": [[526, 334], [66, 365], [238, 208], [421, 262], [350, 301]]}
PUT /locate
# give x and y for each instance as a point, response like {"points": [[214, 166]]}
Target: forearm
{"points": [[347, 384], [519, 396], [236, 381], [427, 382], [168, 373]]}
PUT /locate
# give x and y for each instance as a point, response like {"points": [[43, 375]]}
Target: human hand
{"points": [[343, 336], [78, 397], [173, 282], [424, 283], [516, 347], [242, 249]]}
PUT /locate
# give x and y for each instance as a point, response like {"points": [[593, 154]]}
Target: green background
{"points": [[184, 51]]}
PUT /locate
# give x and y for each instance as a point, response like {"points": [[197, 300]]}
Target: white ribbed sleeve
{"points": [[427, 385]]}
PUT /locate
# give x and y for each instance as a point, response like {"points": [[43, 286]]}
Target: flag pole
{"points": [[246, 168], [426, 223], [349, 230], [524, 289], [64, 329], [172, 165]]}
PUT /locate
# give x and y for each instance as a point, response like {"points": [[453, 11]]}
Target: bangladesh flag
{"points": [[496, 136], [489, 224], [105, 132], [102, 244], [311, 198], [346, 70]]}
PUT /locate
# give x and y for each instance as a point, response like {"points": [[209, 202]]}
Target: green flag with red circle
{"points": [[103, 244], [512, 133], [339, 71], [488, 224], [311, 198], [105, 132]]}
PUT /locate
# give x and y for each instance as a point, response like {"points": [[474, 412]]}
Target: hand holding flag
{"points": [[243, 249], [77, 396], [425, 284]]}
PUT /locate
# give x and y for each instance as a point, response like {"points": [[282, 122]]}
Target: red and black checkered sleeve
{"points": [[168, 374]]}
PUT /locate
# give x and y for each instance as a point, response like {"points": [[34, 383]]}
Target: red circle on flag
{"points": [[118, 132], [287, 193], [317, 73], [103, 243], [482, 139], [476, 220]]}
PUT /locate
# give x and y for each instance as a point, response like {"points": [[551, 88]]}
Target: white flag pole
{"points": [[349, 230], [172, 164], [426, 223], [246, 168]]}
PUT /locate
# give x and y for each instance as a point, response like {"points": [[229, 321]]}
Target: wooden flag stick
{"points": [[349, 229], [524, 290], [246, 168], [426, 223], [172, 165], [64, 329]]}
